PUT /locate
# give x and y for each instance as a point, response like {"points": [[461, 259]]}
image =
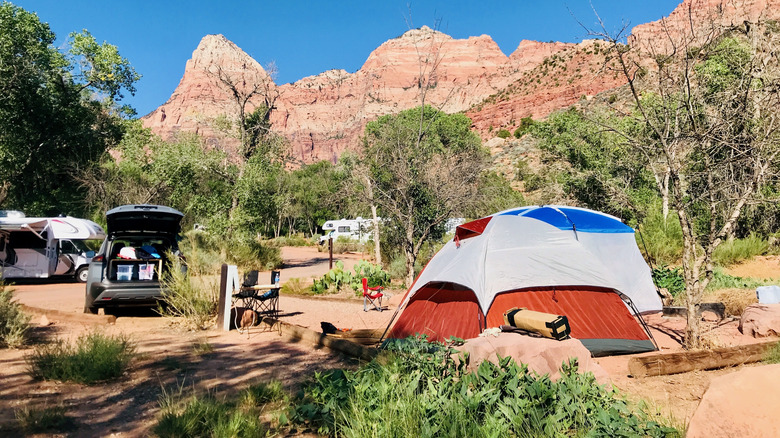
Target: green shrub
{"points": [[343, 245], [425, 392], [503, 133], [338, 279], [248, 254], [195, 303], [95, 357], [203, 253], [669, 278], [736, 250], [660, 240], [525, 124], [14, 323], [43, 420]]}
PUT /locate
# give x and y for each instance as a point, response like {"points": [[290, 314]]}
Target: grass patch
{"points": [[659, 239], [773, 354], [295, 286], [418, 389], [94, 357], [202, 347], [43, 420], [733, 251], [735, 300], [294, 240], [207, 415], [721, 280], [14, 323], [195, 303]]}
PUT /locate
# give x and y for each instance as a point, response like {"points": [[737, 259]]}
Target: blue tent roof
{"points": [[572, 218]]}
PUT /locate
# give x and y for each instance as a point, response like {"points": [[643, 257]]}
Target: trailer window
{"points": [[26, 239], [343, 229]]}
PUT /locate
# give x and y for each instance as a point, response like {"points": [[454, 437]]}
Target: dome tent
{"points": [[563, 260]]}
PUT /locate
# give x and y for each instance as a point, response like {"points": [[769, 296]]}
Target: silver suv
{"points": [[126, 271]]}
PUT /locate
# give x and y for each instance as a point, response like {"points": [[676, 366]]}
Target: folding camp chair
{"points": [[374, 298], [252, 299]]}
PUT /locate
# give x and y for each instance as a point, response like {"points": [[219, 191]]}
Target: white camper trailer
{"points": [[354, 229], [41, 247]]}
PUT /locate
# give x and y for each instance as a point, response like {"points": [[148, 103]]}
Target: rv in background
{"points": [[353, 229], [42, 247]]}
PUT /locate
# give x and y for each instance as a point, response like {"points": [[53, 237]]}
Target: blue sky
{"points": [[305, 38]]}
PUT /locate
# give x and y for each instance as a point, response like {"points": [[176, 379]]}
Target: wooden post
{"points": [[330, 252], [223, 298], [228, 283]]}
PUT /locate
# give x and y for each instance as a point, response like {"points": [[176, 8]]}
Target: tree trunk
{"points": [[377, 246], [410, 259]]}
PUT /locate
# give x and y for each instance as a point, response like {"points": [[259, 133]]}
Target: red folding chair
{"points": [[374, 298]]}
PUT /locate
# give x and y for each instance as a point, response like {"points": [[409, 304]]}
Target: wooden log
{"points": [[718, 309], [297, 333], [682, 362]]}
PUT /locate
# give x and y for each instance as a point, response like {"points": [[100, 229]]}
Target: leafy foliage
{"points": [[426, 392], [195, 303], [669, 278], [592, 165], [338, 278], [423, 166], [14, 323], [51, 123], [94, 358]]}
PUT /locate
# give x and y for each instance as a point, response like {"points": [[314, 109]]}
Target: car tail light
{"points": [[98, 258]]}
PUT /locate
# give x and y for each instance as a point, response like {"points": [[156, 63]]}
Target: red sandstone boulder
{"points": [[761, 320], [745, 403], [542, 355]]}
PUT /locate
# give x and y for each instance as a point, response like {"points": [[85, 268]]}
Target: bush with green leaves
{"points": [[670, 279], [93, 358], [183, 297], [503, 133], [14, 323], [338, 278], [417, 388]]}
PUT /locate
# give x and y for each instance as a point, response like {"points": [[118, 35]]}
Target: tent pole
{"points": [[389, 324], [642, 321]]}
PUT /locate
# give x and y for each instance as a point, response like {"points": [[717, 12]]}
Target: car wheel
{"points": [[90, 310], [82, 274]]}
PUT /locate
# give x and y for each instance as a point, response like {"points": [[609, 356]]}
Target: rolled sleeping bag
{"points": [[546, 324]]}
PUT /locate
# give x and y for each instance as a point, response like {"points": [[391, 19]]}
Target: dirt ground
{"points": [[169, 359]]}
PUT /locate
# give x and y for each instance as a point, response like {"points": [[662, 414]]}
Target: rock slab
{"points": [[745, 403], [760, 320], [542, 355]]}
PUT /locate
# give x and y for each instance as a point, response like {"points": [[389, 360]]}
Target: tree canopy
{"points": [[53, 121]]}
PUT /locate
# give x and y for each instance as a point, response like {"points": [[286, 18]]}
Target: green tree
{"points": [[593, 165], [52, 124], [708, 113], [424, 167]]}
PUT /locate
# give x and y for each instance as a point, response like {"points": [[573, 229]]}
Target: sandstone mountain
{"points": [[324, 115]]}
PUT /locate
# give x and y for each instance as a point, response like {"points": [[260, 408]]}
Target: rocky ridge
{"points": [[324, 115]]}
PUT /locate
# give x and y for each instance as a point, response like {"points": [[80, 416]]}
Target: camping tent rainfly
{"points": [[562, 260]]}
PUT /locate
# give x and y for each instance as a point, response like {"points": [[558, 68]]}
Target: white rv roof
{"points": [[60, 227]]}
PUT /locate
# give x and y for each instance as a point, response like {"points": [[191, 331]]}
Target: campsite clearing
{"points": [[224, 362]]}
